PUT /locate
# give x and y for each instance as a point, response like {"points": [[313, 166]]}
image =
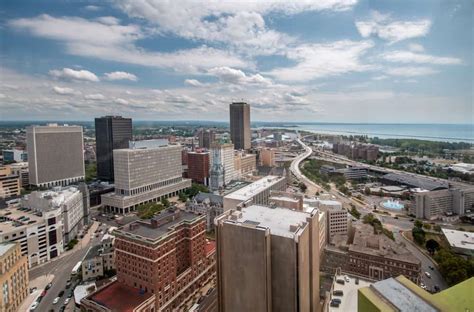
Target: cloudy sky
{"points": [[323, 61]]}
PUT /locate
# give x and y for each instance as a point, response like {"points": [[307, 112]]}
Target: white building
{"points": [[68, 200], [223, 163], [257, 193], [144, 175], [337, 218], [461, 242]]}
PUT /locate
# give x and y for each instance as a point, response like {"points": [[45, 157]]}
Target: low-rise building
{"points": [[461, 242], [13, 277], [99, 260], [257, 193], [208, 204], [21, 170], [245, 164], [40, 234], [14, 155], [9, 183]]}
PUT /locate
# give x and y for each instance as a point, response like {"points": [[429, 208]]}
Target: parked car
{"points": [[428, 274], [357, 281], [66, 301], [48, 286], [56, 300], [61, 293], [34, 306], [431, 267], [436, 288], [338, 293], [336, 300], [334, 304], [346, 278]]}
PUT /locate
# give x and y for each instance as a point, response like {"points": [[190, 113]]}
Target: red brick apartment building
{"points": [[198, 167], [160, 263]]}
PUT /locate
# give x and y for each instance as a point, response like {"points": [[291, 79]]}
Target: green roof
{"points": [[459, 297]]}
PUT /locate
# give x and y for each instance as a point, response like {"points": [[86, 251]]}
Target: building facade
{"points": [[267, 260], [144, 175], [21, 170], [240, 125], [208, 204], [222, 165], [9, 183], [436, 204], [40, 234], [245, 164], [267, 157], [206, 137], [14, 155], [198, 167], [111, 132], [55, 155], [166, 258], [13, 277]]}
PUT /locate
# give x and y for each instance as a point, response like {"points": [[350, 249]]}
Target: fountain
{"points": [[393, 204]]}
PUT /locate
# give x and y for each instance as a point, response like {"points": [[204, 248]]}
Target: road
{"points": [[61, 270]]}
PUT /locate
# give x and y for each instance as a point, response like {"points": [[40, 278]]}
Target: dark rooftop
{"points": [[213, 198], [416, 181], [159, 225]]}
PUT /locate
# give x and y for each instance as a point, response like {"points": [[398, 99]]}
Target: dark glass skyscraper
{"points": [[111, 132], [240, 125]]}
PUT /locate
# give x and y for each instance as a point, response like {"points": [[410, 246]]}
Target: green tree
{"points": [[418, 224], [427, 226], [165, 202], [367, 191], [418, 235], [432, 246], [302, 187]]}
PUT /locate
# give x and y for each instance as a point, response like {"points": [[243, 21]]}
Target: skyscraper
{"points": [[240, 125], [111, 132], [55, 154], [267, 260], [206, 137]]}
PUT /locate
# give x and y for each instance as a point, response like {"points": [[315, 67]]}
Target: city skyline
{"points": [[333, 61]]}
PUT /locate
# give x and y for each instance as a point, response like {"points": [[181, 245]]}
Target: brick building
{"points": [[164, 259], [198, 167]]}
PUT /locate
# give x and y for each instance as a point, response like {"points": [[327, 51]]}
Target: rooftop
{"points": [[459, 239], [349, 299], [426, 183], [56, 197], [250, 190], [4, 247], [119, 297], [280, 221], [148, 143], [213, 198], [159, 225], [14, 218]]}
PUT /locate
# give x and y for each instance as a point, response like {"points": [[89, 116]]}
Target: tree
{"points": [[427, 226], [418, 235], [432, 246], [418, 224], [367, 191], [437, 228], [165, 202], [302, 187]]}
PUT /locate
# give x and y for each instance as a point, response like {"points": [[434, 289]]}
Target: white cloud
{"points": [[121, 101], [381, 77], [120, 75], [194, 83], [68, 73], [415, 47], [236, 76], [2, 96], [94, 97], [117, 42], [384, 27], [238, 23], [323, 60], [410, 57], [108, 20], [92, 8], [65, 91], [411, 71]]}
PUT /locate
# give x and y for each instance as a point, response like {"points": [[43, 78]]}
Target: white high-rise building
{"points": [[55, 154], [223, 155]]}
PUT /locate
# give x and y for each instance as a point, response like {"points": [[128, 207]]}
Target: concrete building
{"points": [[55, 155], [164, 259], [267, 157], [268, 260], [198, 167], [40, 234], [14, 155], [240, 125], [286, 200], [111, 132], [144, 175], [436, 204], [461, 242], [208, 204], [401, 294], [21, 170], [257, 193], [68, 200], [357, 151], [337, 218], [13, 277], [9, 183], [245, 164], [99, 259], [372, 256], [206, 137], [222, 165]]}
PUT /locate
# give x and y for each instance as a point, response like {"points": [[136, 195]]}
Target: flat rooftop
{"points": [[119, 297], [349, 299], [4, 247], [250, 190], [13, 219], [166, 219], [459, 239], [426, 183], [277, 220]]}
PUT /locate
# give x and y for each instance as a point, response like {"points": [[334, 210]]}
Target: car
{"points": [[33, 289], [428, 274], [346, 278], [338, 293], [62, 309], [436, 288], [66, 301], [56, 300], [43, 293], [340, 281], [334, 304], [337, 300], [61, 293], [68, 284], [431, 267], [70, 295], [357, 281], [34, 306], [48, 286]]}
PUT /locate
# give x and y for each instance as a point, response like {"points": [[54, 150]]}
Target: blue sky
{"points": [[322, 61]]}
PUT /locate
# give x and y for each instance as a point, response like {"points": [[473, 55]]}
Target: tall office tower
{"points": [[111, 132], [198, 167], [161, 263], [145, 174], [223, 154], [206, 137], [240, 125], [267, 260], [55, 154], [13, 277]]}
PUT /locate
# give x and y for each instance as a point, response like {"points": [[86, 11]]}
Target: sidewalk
{"points": [[40, 283]]}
